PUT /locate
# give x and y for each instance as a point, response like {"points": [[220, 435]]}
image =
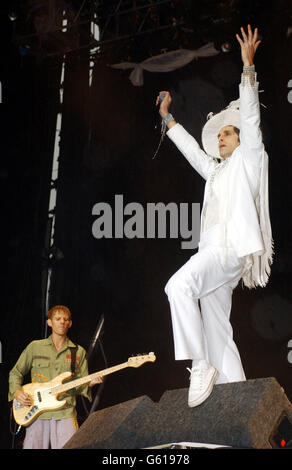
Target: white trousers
{"points": [[204, 332]]}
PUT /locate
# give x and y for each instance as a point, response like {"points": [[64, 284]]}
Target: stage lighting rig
{"points": [[40, 25]]}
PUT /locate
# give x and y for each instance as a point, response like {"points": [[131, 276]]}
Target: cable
{"points": [[13, 433], [79, 11]]}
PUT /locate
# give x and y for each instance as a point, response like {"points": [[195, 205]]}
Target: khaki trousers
{"points": [[49, 433]]}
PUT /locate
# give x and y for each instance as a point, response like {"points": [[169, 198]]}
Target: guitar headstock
{"points": [[137, 361]]}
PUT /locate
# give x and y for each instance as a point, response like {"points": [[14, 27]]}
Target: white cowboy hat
{"points": [[228, 117]]}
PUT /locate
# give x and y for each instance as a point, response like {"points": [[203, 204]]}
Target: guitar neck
{"points": [[84, 380]]}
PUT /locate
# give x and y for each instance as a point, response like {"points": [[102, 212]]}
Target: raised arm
{"points": [[185, 143], [250, 133]]}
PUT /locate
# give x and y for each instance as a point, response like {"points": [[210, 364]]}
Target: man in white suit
{"points": [[236, 241]]}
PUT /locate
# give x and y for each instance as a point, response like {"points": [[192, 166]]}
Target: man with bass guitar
{"points": [[46, 359]]}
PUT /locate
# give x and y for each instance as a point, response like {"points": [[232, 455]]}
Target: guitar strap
{"points": [[73, 359]]}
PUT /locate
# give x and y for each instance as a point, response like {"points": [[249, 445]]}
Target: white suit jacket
{"points": [[244, 209]]}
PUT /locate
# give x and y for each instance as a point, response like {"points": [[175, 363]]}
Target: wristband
{"points": [[167, 119], [248, 68]]}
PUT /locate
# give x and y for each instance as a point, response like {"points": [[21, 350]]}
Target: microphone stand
{"points": [[101, 386], [95, 339]]}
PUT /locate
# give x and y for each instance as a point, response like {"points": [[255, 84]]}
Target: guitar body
{"points": [[42, 400]]}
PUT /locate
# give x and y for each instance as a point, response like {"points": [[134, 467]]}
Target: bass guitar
{"points": [[44, 396]]}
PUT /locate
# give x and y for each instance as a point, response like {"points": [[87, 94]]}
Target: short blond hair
{"points": [[54, 309]]}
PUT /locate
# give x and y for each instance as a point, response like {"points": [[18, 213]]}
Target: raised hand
{"points": [[165, 104], [249, 43]]}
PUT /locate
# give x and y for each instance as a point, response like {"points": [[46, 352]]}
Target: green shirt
{"points": [[44, 363]]}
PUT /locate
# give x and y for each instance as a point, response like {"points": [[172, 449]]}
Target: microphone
{"points": [[161, 97]]}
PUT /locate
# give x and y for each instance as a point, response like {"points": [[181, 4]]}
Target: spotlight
{"points": [[23, 50], [55, 254], [226, 47], [12, 15]]}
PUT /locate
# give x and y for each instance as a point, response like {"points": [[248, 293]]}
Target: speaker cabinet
{"points": [[241, 414]]}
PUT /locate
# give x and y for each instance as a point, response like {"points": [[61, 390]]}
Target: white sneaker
{"points": [[202, 380]]}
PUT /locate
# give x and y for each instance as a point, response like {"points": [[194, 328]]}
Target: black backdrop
{"points": [[107, 144]]}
